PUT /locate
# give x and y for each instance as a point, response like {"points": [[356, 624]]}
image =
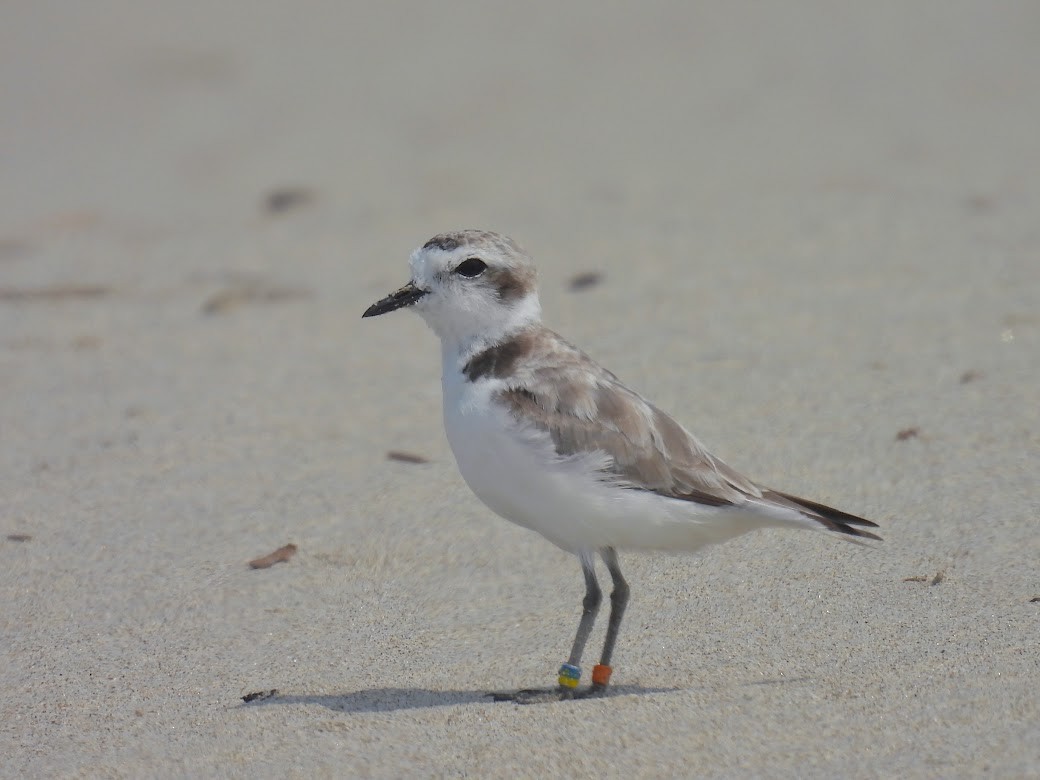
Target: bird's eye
{"points": [[470, 267]]}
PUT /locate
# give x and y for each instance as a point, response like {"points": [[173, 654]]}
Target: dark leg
{"points": [[589, 608], [618, 602]]}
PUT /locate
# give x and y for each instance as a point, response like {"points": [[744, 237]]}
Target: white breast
{"points": [[510, 473], [517, 474]]}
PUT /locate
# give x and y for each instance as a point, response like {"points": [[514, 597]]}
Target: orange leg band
{"points": [[601, 674]]}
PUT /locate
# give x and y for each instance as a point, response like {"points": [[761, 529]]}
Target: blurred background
{"points": [[547, 120], [754, 185], [808, 229]]}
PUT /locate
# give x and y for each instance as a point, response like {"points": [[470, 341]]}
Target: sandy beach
{"points": [[809, 231]]}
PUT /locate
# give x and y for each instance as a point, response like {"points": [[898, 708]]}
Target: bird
{"points": [[550, 440]]}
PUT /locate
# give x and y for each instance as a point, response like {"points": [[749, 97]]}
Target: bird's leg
{"points": [[570, 672], [618, 602], [589, 607]]}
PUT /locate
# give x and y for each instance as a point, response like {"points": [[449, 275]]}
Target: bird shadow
{"points": [[394, 699]]}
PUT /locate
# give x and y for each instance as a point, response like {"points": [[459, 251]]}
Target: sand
{"points": [[815, 234]]}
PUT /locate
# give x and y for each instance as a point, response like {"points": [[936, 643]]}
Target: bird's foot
{"points": [[546, 695]]}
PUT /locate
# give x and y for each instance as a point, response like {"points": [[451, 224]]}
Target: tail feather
{"points": [[834, 519]]}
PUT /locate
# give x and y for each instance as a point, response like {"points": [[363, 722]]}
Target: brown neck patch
{"points": [[500, 360]]}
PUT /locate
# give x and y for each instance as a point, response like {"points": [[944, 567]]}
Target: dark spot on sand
{"points": [[405, 457], [934, 580], [280, 555], [260, 695], [54, 294], [584, 281], [287, 198], [86, 342], [979, 204], [251, 292]]}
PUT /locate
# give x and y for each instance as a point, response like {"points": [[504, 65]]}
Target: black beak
{"points": [[398, 299]]}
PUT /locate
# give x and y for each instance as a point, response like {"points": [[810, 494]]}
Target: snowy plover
{"points": [[550, 440]]}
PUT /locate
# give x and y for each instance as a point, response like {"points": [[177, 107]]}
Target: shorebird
{"points": [[549, 439]]}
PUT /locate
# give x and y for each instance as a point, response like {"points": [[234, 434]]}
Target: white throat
{"points": [[464, 333]]}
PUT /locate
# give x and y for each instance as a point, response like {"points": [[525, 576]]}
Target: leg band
{"points": [[570, 675], [601, 674]]}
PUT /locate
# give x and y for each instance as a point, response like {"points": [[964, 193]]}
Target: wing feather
{"points": [[559, 390], [584, 409]]}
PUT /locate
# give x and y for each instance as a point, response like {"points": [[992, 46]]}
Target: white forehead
{"points": [[468, 312], [428, 263], [443, 252]]}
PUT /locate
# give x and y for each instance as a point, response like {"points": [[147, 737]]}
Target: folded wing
{"points": [[584, 408]]}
